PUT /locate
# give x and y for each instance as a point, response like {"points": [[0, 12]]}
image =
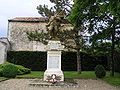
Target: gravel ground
{"points": [[84, 84]]}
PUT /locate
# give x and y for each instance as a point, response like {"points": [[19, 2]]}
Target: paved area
{"points": [[84, 84]]}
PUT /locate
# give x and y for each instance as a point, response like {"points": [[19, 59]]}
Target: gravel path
{"points": [[84, 84]]}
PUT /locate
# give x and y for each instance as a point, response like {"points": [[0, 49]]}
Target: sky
{"points": [[17, 8]]}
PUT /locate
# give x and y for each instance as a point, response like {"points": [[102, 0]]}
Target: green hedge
{"points": [[28, 59], [36, 60], [88, 61], [117, 62]]}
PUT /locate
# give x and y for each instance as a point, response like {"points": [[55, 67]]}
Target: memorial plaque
{"points": [[54, 62], [54, 46]]}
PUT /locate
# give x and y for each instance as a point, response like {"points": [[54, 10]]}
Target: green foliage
{"points": [[103, 50], [6, 69], [45, 11], [3, 78], [9, 70], [57, 7], [76, 15], [36, 36], [22, 70], [100, 17], [113, 80], [30, 59], [102, 20], [100, 71], [68, 74], [99, 49], [38, 60], [117, 62], [1, 72], [33, 74]]}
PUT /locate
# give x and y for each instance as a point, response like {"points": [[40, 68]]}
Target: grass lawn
{"points": [[33, 74], [85, 74], [2, 78], [113, 80], [68, 74], [72, 74]]}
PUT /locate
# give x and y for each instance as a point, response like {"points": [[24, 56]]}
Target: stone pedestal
{"points": [[54, 61]]}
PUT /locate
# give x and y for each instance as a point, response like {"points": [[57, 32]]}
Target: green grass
{"points": [[68, 74], [113, 80], [72, 74], [85, 74], [2, 78], [33, 74]]}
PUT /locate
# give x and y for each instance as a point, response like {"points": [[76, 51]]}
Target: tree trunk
{"points": [[112, 69], [78, 61]]}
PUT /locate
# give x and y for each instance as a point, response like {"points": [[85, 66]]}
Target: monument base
{"points": [[54, 72], [58, 75]]}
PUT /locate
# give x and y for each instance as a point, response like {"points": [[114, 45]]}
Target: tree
{"points": [[76, 34], [114, 25], [96, 17], [102, 20], [59, 5], [110, 28], [72, 39], [78, 19]]}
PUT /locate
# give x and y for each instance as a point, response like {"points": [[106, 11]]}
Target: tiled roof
{"points": [[28, 19]]}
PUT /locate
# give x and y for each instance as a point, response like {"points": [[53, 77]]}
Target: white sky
{"points": [[17, 8]]}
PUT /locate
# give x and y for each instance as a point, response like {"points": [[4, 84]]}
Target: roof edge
{"points": [[29, 19]]}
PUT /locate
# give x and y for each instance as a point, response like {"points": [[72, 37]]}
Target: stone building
{"points": [[4, 47], [17, 36]]}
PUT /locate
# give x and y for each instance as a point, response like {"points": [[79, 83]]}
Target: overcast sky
{"points": [[17, 8]]}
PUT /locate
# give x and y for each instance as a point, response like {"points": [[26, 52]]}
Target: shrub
{"points": [[0, 66], [7, 66], [9, 70], [22, 70], [1, 72], [100, 71]]}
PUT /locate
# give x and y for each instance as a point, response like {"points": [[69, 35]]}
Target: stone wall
{"points": [[18, 37], [4, 47], [6, 41], [2, 52]]}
